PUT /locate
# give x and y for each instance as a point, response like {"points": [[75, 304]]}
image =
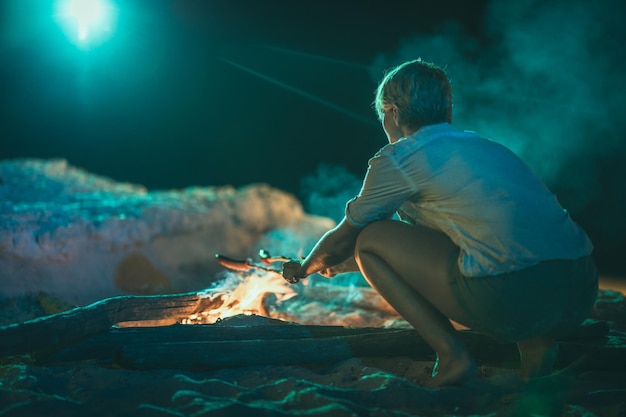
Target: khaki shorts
{"points": [[550, 299]]}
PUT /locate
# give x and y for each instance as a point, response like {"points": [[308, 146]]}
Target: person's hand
{"points": [[292, 271]]}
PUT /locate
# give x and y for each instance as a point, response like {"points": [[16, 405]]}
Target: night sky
{"points": [[207, 92]]}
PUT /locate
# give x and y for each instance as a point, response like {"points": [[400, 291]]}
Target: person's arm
{"points": [[335, 247], [349, 265]]}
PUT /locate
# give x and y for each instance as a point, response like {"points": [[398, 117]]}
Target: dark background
{"points": [[202, 93]]}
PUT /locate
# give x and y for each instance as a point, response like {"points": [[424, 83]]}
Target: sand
{"points": [[381, 386], [355, 387], [79, 237]]}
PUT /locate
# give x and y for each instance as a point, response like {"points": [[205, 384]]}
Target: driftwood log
{"points": [[206, 347], [89, 333], [60, 329], [206, 355]]}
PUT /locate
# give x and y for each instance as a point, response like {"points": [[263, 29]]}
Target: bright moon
{"points": [[86, 22]]}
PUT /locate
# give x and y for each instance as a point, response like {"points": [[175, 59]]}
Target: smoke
{"points": [[546, 80], [326, 191], [541, 79]]}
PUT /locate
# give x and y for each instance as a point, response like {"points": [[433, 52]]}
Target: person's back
{"points": [[486, 244], [486, 199]]}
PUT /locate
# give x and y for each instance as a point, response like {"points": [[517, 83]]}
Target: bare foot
{"points": [[453, 370], [537, 356]]}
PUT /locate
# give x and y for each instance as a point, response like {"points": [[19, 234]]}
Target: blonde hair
{"points": [[420, 90]]}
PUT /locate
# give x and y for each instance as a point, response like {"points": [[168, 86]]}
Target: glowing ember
{"points": [[243, 295]]}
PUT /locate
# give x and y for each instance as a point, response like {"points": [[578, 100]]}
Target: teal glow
{"points": [[87, 23], [302, 93]]}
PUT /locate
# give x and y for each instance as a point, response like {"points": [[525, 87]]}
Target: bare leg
{"points": [[408, 266], [538, 357]]}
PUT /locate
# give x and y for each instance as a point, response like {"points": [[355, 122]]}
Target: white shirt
{"points": [[477, 192]]}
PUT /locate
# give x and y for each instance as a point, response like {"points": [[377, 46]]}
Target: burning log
{"points": [[207, 347], [60, 329], [49, 334], [214, 346]]}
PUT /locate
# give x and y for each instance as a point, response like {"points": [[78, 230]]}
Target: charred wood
{"points": [[82, 322], [205, 347]]}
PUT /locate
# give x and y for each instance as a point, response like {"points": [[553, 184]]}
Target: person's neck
{"points": [[408, 131]]}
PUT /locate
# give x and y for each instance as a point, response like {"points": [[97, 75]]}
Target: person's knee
{"points": [[370, 237]]}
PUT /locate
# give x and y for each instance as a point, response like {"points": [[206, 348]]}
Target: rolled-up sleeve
{"points": [[385, 188]]}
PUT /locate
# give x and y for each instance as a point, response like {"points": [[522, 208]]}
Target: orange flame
{"points": [[244, 294]]}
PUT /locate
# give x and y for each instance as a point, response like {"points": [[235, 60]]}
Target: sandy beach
{"points": [[70, 238], [385, 385]]}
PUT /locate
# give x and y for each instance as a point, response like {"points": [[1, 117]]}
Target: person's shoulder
{"points": [[446, 130], [460, 138], [393, 151], [385, 152]]}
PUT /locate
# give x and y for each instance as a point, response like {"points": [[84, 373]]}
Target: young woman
{"points": [[481, 240]]}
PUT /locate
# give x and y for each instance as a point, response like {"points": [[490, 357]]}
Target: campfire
{"points": [[242, 294], [258, 288], [335, 323], [248, 289]]}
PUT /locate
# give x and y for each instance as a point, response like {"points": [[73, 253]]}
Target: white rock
{"points": [[84, 237]]}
